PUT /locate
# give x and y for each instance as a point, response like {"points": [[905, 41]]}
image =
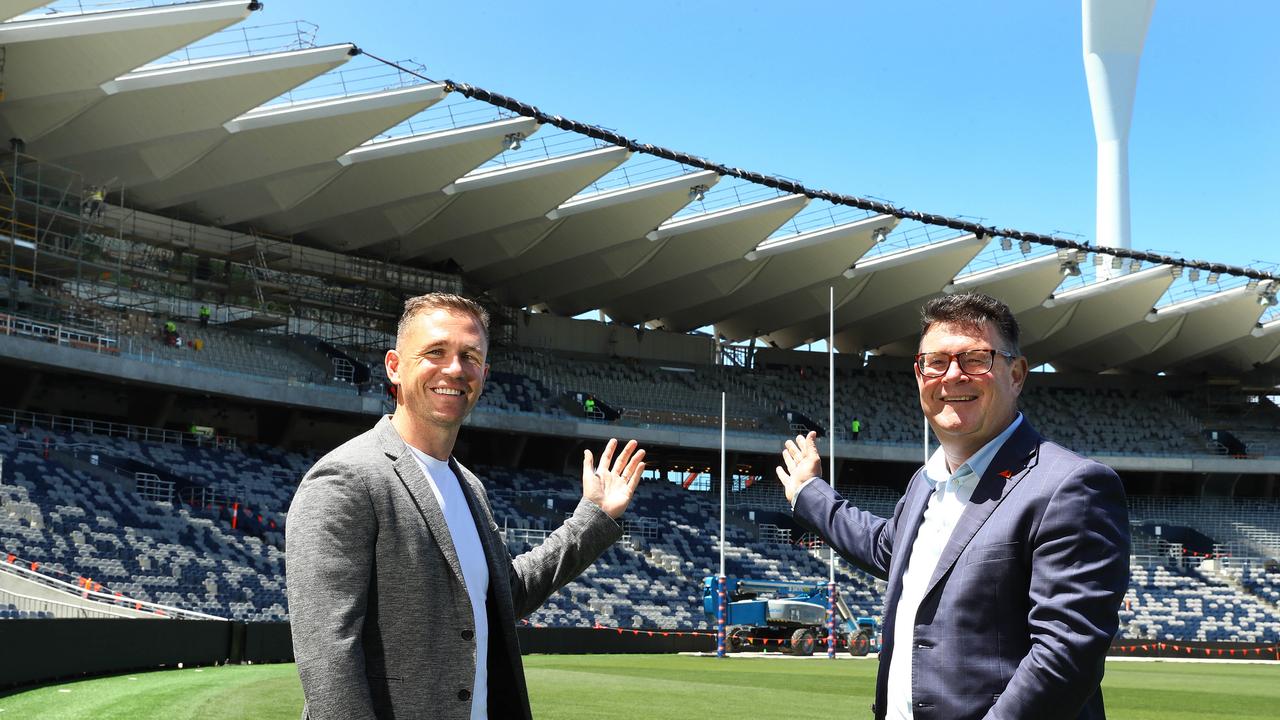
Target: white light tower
{"points": [[1114, 32]]}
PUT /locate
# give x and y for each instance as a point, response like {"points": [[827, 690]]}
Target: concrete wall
{"points": [[590, 337]]}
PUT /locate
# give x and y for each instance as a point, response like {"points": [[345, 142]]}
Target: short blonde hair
{"points": [[415, 306]]}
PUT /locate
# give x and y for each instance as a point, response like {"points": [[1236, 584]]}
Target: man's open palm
{"points": [[615, 483], [802, 461]]}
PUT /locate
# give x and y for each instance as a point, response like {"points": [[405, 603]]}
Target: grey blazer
{"points": [[381, 620], [1024, 603]]}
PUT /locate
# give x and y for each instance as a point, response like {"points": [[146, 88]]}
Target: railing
{"points": [[141, 433], [452, 114], [996, 255], [910, 235], [640, 528], [57, 333], [633, 173], [203, 496], [819, 216], [774, 535], [80, 7], [149, 486], [106, 600], [528, 535], [1195, 284], [541, 147], [356, 77], [244, 41], [30, 604], [726, 195]]}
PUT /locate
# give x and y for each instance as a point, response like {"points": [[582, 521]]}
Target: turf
{"points": [[649, 687]]}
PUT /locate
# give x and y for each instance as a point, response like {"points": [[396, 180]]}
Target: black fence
{"points": [[38, 651]]}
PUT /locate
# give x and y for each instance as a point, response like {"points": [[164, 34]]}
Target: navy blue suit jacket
{"points": [[1024, 603]]}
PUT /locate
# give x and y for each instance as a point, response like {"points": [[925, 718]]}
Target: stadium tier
{"points": [[80, 507]]}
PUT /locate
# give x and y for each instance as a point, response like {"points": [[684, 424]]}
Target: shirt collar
{"points": [[430, 464], [935, 469]]}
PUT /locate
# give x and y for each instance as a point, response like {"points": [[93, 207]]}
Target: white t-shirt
{"points": [[475, 570]]}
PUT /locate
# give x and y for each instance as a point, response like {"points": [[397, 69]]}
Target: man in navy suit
{"points": [[1007, 557]]}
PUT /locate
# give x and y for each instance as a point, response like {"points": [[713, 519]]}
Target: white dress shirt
{"points": [[951, 494], [475, 570]]}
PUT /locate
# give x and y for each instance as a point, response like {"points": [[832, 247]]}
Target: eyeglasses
{"points": [[971, 362]]}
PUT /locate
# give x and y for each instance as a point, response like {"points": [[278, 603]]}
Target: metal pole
{"points": [[831, 451], [721, 608]]}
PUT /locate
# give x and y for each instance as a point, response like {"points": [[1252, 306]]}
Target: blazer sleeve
{"points": [[864, 539], [563, 556], [1079, 573], [330, 537]]}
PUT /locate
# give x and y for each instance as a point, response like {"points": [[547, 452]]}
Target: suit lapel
{"points": [[1007, 468], [473, 490], [415, 482], [912, 515]]}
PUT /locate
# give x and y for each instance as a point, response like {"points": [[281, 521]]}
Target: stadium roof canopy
{"points": [[260, 129]]}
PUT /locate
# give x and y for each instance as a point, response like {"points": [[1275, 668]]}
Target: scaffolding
{"points": [[79, 257]]}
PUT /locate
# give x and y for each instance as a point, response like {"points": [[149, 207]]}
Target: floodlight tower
{"points": [[1114, 32]]}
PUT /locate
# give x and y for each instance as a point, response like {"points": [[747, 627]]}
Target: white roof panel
{"points": [[278, 138], [66, 58], [876, 285]]}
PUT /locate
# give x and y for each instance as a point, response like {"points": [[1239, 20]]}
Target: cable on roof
{"points": [[793, 187]]}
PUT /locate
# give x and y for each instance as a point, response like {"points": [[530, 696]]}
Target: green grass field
{"points": [[648, 687]]}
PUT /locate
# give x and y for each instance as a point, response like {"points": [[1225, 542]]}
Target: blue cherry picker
{"points": [[763, 611]]}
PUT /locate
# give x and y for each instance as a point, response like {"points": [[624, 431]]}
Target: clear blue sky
{"points": [[976, 108]]}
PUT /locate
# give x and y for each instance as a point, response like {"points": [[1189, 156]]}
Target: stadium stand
{"points": [[233, 351], [78, 523], [78, 519]]}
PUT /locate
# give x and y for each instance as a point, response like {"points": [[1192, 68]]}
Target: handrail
{"points": [[143, 433], [57, 332], [111, 599], [78, 609]]}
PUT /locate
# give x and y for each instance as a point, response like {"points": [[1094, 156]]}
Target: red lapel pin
{"points": [[1006, 474]]}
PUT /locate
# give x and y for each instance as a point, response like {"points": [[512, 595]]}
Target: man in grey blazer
{"points": [[402, 595], [1006, 559]]}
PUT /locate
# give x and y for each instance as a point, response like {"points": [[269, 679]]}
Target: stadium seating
{"points": [[1172, 603], [1078, 412], [81, 520], [78, 525], [231, 351]]}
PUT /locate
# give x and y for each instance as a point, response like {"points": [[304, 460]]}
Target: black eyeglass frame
{"points": [[956, 358]]}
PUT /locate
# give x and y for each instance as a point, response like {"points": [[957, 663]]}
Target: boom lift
{"points": [[792, 611]]}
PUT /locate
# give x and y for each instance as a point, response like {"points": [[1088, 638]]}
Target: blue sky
{"points": [[977, 108]]}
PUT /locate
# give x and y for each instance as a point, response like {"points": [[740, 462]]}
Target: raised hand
{"points": [[802, 461], [613, 485]]}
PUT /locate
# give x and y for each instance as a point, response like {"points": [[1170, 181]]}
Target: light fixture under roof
{"points": [[1069, 262], [879, 234], [1006, 244], [1025, 246], [1267, 293], [512, 141], [698, 193]]}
